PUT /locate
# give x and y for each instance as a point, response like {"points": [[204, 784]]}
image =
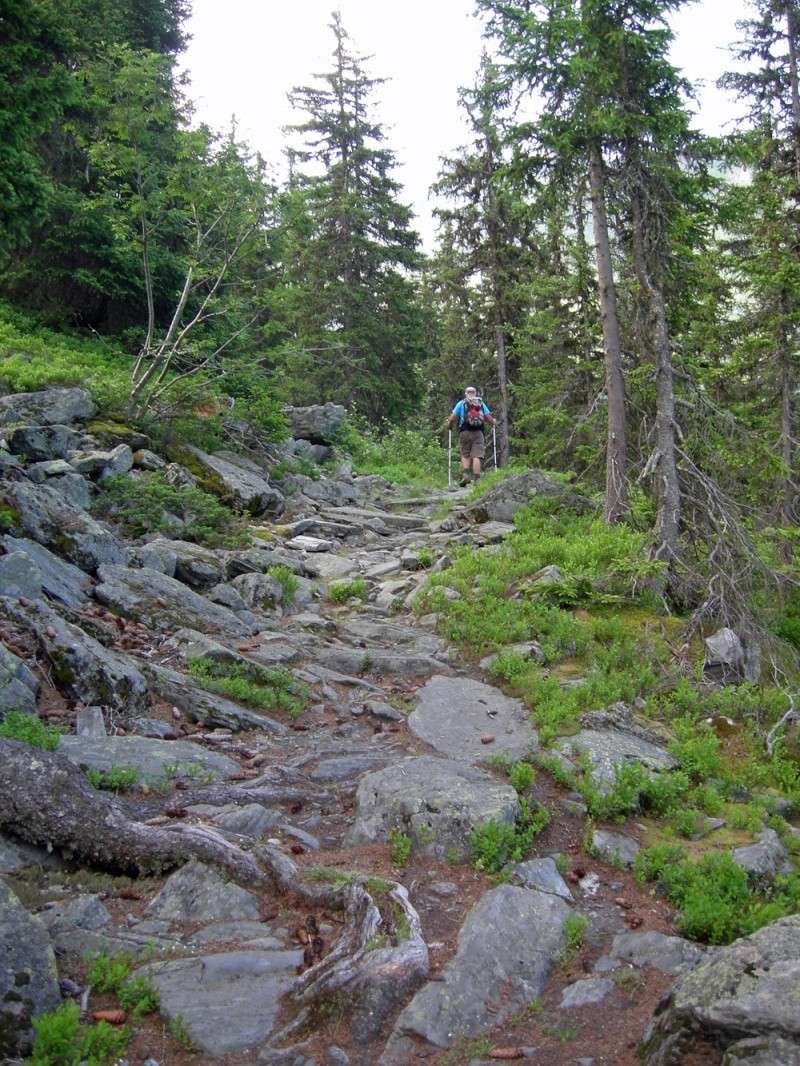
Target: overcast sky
{"points": [[245, 55]]}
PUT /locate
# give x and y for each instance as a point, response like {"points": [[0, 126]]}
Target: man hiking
{"points": [[472, 415]]}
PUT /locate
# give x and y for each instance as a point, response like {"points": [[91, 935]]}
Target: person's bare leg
{"points": [[476, 469], [464, 470]]}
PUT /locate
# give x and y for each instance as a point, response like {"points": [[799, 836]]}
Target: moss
{"points": [[106, 430], [10, 518], [208, 479]]}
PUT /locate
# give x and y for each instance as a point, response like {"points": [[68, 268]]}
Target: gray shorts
{"points": [[472, 443]]}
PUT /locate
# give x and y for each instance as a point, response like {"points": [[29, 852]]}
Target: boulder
{"points": [[40, 472], [19, 576], [765, 859], [727, 661], [670, 954], [453, 714], [241, 482], [19, 688], [502, 502], [16, 855], [613, 737], [541, 874], [80, 666], [198, 567], [506, 949], [74, 489], [318, 423], [161, 602], [198, 893], [324, 490], [39, 444], [345, 768], [47, 517], [147, 460], [103, 464], [202, 706], [28, 975], [47, 408], [763, 1051], [586, 992], [259, 591], [437, 802], [154, 760], [59, 580], [228, 1002], [746, 991], [616, 848], [384, 663]]}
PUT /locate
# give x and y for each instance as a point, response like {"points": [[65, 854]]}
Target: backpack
{"points": [[473, 415]]}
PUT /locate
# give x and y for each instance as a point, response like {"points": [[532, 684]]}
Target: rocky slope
{"points": [[294, 880]]}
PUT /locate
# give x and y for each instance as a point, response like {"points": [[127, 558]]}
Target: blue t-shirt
{"points": [[460, 411]]}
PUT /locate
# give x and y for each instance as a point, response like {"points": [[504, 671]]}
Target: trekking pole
{"points": [[494, 442], [449, 458]]}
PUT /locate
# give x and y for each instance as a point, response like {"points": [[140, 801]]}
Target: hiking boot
{"points": [[465, 480], [476, 477]]}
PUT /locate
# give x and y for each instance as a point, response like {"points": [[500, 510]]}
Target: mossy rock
{"points": [[110, 433]]}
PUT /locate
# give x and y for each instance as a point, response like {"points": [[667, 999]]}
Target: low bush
{"points": [[407, 456], [61, 1040], [30, 729], [267, 688], [287, 579], [115, 779], [494, 843], [144, 504], [342, 591]]}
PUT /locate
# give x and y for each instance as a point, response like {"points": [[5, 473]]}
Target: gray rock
{"points": [[227, 1002], [765, 859], [157, 555], [241, 931], [453, 713], [227, 596], [197, 893], [309, 544], [763, 1051], [748, 989], [616, 848], [437, 802], [147, 460], [81, 666], [337, 1056], [724, 660], [39, 472], [345, 767], [670, 954], [506, 949], [90, 723], [45, 516], [502, 502], [198, 567], [47, 407], [153, 728], [154, 759], [105, 464], [385, 663], [38, 444], [60, 580], [586, 992], [28, 976], [538, 873], [334, 567], [19, 688], [241, 482], [203, 706], [529, 649], [74, 489], [607, 747], [378, 709], [161, 602], [16, 855], [179, 477], [251, 820], [82, 912], [259, 591], [548, 575], [318, 423]]}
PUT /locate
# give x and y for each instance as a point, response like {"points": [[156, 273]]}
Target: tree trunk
{"points": [[668, 487], [502, 407], [616, 450], [791, 38], [787, 439]]}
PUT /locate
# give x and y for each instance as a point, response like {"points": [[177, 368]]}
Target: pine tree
{"points": [[350, 250]]}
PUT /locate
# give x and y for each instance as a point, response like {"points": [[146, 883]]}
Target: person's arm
{"points": [[488, 416], [453, 417]]}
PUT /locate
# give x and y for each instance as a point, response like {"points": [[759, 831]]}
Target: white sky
{"points": [[245, 55]]}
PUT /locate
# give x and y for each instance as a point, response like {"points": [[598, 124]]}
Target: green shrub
{"points": [[406, 455], [494, 843], [139, 996], [107, 973], [575, 928], [30, 729], [143, 504], [115, 779], [342, 591], [268, 688], [521, 775], [61, 1040], [287, 580], [400, 848]]}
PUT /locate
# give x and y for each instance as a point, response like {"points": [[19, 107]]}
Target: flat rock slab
{"points": [[670, 954], [60, 580], [616, 848], [437, 802], [345, 767], [28, 975], [538, 873], [154, 759], [608, 747], [765, 859], [586, 992], [454, 713], [506, 949], [227, 1002], [162, 602], [385, 663], [197, 893], [47, 407]]}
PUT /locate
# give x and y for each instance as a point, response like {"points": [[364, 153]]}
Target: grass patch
{"points": [[61, 1040], [30, 729], [342, 591], [288, 581], [115, 779], [265, 688], [400, 844], [145, 504], [575, 929]]}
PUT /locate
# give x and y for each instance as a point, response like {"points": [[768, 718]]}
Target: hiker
{"points": [[472, 415]]}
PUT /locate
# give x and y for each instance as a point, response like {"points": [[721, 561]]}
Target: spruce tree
{"points": [[353, 311]]}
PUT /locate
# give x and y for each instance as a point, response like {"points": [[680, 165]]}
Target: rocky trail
{"points": [[296, 881]]}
